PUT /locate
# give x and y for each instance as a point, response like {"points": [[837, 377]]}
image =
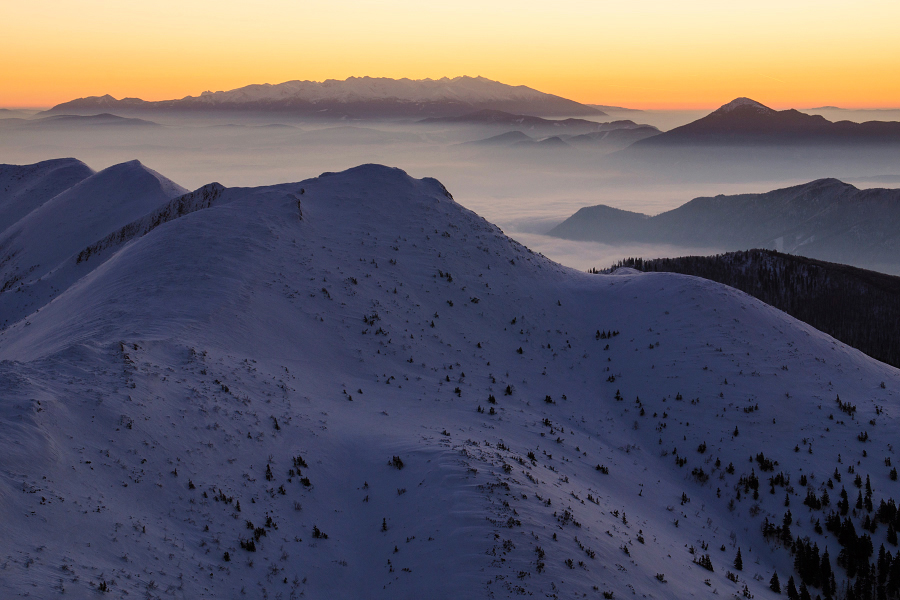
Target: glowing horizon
{"points": [[650, 54]]}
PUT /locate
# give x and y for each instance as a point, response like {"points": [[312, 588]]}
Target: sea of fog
{"points": [[524, 190]]}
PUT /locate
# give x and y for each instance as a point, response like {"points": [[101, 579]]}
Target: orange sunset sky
{"points": [[639, 53]]}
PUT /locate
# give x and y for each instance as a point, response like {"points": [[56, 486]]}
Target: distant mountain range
{"points": [[604, 136], [517, 139], [501, 118], [606, 108], [104, 120], [571, 126], [745, 122], [847, 109], [13, 113], [825, 219], [355, 97], [612, 139]]}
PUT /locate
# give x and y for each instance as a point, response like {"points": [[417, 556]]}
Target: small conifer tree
{"points": [[792, 589], [774, 584]]}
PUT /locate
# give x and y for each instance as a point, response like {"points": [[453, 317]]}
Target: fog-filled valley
{"points": [[523, 184]]}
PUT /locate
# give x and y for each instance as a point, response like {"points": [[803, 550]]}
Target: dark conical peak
{"points": [[740, 103], [827, 182]]}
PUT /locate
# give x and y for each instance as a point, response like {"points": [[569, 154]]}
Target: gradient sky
{"points": [[637, 53]]}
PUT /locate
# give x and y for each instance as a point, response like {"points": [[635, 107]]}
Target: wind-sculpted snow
{"points": [[196, 200], [81, 214], [36, 251], [24, 188], [352, 387]]}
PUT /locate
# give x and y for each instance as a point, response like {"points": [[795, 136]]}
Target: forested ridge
{"points": [[858, 307]]}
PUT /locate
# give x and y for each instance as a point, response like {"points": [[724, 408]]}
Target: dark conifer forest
{"points": [[858, 307]]}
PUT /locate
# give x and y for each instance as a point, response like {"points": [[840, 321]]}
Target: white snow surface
{"points": [[364, 315]]}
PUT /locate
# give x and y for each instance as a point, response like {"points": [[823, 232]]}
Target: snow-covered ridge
{"points": [[81, 214], [35, 250], [24, 188], [201, 413], [183, 205]]}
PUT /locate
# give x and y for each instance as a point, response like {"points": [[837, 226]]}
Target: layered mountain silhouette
{"points": [[537, 126], [612, 135], [824, 219], [105, 121], [614, 138], [570, 126], [509, 138], [501, 118], [745, 122], [608, 108], [358, 97]]}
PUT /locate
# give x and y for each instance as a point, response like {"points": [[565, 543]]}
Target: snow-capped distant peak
{"points": [[467, 89], [361, 96], [740, 102]]}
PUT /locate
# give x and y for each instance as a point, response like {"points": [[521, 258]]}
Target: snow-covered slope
{"points": [[353, 387], [24, 188], [35, 247]]}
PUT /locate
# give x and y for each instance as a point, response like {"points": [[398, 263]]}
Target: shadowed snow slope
{"points": [[353, 387], [24, 188], [37, 245]]}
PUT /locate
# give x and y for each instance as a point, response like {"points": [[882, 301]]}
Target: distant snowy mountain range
{"points": [[358, 97], [190, 406]]}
